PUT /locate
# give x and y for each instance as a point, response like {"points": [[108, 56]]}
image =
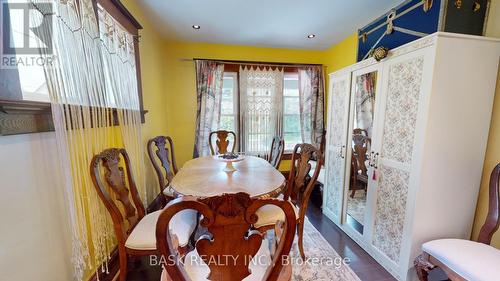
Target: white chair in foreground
{"points": [[463, 259]]}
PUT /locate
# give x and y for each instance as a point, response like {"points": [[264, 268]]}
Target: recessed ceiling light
{"points": [[310, 36], [196, 26]]}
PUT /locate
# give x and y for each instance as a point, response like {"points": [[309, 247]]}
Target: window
{"points": [[24, 95], [21, 66], [229, 104], [291, 111]]}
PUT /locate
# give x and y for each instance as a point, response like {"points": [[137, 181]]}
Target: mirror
{"points": [[364, 102]]}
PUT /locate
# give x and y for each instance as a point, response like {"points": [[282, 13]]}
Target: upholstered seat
{"points": [[143, 235], [198, 270], [471, 260], [270, 214], [321, 176]]}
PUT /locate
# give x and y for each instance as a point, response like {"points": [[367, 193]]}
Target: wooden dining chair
{"points": [[231, 249], [463, 259], [222, 142], [359, 172], [162, 156], [298, 190], [134, 229], [276, 153]]}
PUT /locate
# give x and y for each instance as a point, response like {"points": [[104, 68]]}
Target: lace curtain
{"points": [[261, 102], [312, 92], [209, 77], [92, 86]]}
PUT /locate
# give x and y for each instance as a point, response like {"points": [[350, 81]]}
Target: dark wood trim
{"points": [[24, 117], [244, 62]]}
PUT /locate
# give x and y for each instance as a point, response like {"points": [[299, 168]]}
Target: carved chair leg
{"points": [[122, 254], [300, 233], [423, 266]]}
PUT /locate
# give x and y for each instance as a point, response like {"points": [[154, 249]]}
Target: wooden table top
{"points": [[205, 176]]}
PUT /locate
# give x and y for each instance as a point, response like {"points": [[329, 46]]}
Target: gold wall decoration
{"points": [[380, 53], [427, 5]]}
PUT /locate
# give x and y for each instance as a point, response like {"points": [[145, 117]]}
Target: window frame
{"points": [[234, 66], [24, 116], [289, 151], [236, 99]]}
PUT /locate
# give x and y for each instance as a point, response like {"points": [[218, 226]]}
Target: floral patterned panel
{"points": [[397, 145], [337, 123], [335, 182], [401, 110], [390, 212], [337, 134]]}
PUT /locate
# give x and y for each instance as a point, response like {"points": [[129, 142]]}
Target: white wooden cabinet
{"points": [[430, 128]]}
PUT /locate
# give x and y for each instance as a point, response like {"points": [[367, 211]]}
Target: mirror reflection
{"points": [[364, 102]]}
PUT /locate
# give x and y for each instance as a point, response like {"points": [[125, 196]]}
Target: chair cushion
{"points": [[469, 259], [198, 270], [143, 237], [270, 214], [321, 176]]}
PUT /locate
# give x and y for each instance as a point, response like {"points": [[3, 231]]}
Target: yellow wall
{"points": [[180, 82], [493, 149], [342, 54]]}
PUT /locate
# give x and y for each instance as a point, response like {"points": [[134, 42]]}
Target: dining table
{"points": [[207, 176]]}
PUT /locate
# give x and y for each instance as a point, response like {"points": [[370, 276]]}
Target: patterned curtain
{"points": [[261, 102], [209, 77], [311, 92]]}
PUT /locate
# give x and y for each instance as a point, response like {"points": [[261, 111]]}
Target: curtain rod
{"points": [[256, 62]]}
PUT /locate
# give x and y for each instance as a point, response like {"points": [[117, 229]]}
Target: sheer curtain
{"points": [[92, 87], [261, 108], [311, 92], [209, 77]]}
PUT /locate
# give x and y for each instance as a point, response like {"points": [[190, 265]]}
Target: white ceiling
{"points": [[271, 23]]}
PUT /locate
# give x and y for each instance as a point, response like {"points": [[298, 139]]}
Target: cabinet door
{"points": [[401, 94], [336, 145]]}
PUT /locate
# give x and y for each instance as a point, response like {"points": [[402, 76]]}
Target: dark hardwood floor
{"points": [[360, 262]]}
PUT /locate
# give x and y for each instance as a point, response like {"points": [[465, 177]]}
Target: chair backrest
{"points": [[276, 153], [164, 153], [492, 222], [115, 182], [229, 219], [361, 145], [222, 142], [300, 184]]}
